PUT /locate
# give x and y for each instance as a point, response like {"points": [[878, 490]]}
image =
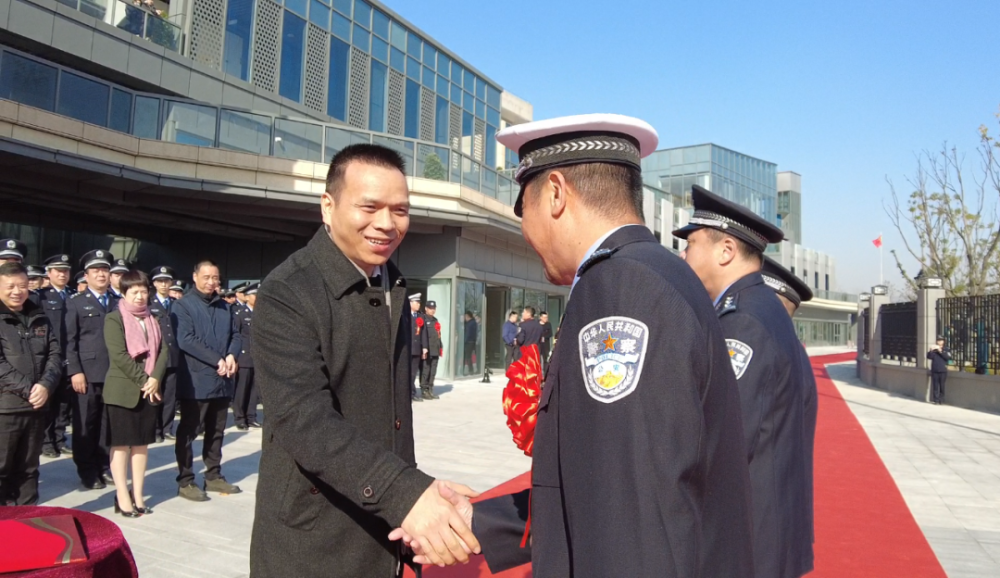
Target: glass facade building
{"points": [[735, 176]]}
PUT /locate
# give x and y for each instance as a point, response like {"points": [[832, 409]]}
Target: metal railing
{"points": [[865, 331], [971, 329], [835, 295], [134, 18], [899, 331]]}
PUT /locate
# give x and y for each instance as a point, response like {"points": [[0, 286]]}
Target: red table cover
{"points": [[108, 554]]}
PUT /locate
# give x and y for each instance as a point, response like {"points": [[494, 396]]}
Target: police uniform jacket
{"points": [[939, 360], [811, 413], [767, 360], [54, 306], [86, 352], [167, 332], [433, 337], [204, 335], [638, 468], [418, 332], [530, 333], [242, 317], [337, 468], [29, 354]]}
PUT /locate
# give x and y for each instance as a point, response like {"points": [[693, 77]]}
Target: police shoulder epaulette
{"points": [[75, 295], [727, 305], [598, 256]]}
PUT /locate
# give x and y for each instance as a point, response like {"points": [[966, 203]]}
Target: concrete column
{"points": [[667, 222], [682, 220], [880, 297], [927, 298]]}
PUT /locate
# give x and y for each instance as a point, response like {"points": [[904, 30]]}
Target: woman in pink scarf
{"points": [[138, 357]]}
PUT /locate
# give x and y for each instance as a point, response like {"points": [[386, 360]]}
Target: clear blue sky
{"points": [[844, 93]]}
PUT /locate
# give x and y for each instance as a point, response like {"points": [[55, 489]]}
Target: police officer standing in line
{"points": [[87, 366], [638, 467], [159, 305], [433, 345], [53, 302], [246, 398], [80, 282], [35, 276], [418, 349], [176, 290], [118, 268], [793, 292], [241, 294], [12, 250], [726, 243]]}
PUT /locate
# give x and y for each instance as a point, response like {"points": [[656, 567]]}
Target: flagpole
{"points": [[881, 261]]}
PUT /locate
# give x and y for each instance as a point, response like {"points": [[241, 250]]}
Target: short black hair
{"points": [[204, 263], [530, 309], [369, 154], [543, 313], [469, 313], [744, 249], [134, 278], [610, 189], [13, 268], [512, 313]]}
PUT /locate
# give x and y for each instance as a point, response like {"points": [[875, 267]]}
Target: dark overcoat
{"points": [[810, 418], [54, 306], [433, 342], [767, 359], [86, 352], [337, 469], [638, 466], [206, 334], [29, 354]]}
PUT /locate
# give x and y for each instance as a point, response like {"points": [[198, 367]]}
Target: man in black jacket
{"points": [[529, 333], [160, 303], [53, 301], [30, 370], [434, 349], [87, 365], [245, 400], [332, 334], [418, 345], [939, 357]]}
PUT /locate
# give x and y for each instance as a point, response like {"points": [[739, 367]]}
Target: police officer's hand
{"points": [[39, 396], [231, 365], [458, 495], [79, 382], [437, 528]]}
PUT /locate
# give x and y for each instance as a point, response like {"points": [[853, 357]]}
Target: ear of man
{"points": [[734, 248]]}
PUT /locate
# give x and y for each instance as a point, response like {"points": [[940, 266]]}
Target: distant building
{"points": [[790, 205]]}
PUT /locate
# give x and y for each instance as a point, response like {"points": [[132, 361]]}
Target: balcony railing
{"points": [[132, 18]]}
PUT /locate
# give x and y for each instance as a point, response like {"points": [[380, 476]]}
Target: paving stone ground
{"points": [[945, 460]]}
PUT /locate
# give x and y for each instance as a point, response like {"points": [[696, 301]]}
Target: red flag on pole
{"points": [[878, 242]]}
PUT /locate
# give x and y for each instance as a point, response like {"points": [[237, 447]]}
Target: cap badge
{"points": [[99, 253], [163, 269], [65, 257], [522, 167], [11, 245]]}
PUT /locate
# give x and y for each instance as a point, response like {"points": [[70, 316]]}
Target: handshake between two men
{"points": [[439, 526]]}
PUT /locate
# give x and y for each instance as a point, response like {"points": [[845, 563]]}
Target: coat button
{"points": [[368, 492], [374, 302], [314, 490], [399, 423]]}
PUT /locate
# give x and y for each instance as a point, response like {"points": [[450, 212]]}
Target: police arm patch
{"points": [[740, 355], [612, 353]]}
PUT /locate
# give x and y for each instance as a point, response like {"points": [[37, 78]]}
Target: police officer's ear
{"points": [[553, 189], [728, 250]]}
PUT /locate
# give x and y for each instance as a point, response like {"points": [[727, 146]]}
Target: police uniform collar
{"points": [[615, 240], [748, 280], [338, 272]]}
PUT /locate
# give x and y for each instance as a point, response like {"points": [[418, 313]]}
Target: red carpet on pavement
{"points": [[863, 527]]}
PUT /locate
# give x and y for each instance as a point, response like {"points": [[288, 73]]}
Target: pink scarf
{"points": [[137, 341]]}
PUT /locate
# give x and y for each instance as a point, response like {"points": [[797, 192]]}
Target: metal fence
{"points": [[899, 331], [971, 329], [865, 320]]}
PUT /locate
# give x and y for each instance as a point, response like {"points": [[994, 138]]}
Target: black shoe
{"points": [[254, 424], [416, 397], [241, 427], [428, 394], [146, 510], [93, 484], [170, 436], [50, 453], [130, 514], [65, 450], [108, 479]]}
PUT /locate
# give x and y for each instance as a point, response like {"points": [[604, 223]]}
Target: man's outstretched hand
{"points": [[438, 527]]}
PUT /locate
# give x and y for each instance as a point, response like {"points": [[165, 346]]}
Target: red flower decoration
{"points": [[521, 397], [420, 323], [437, 327]]}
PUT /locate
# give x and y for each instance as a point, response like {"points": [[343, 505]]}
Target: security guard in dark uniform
{"points": [[793, 292], [726, 242], [418, 345], [87, 366], [80, 281], [433, 345], [118, 268], [35, 276], [12, 250], [638, 466], [246, 398], [53, 301], [159, 305]]}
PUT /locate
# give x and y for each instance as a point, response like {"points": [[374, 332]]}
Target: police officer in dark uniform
{"points": [[246, 398], [87, 366], [12, 250], [433, 345], [35, 276], [53, 301], [418, 345], [118, 268], [159, 304], [241, 294], [725, 248], [793, 292], [638, 466], [80, 282]]}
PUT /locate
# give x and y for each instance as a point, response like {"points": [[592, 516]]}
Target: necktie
{"points": [[103, 300], [62, 294]]}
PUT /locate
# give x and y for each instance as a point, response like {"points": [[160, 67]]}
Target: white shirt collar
{"points": [[98, 295]]}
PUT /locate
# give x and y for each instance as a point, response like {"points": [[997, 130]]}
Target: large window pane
{"points": [[429, 76], [403, 147], [411, 123], [243, 131], [492, 96], [414, 46], [430, 55], [319, 14], [432, 162], [468, 80], [469, 310], [398, 36], [298, 140], [191, 124], [441, 115], [293, 40], [337, 139], [376, 116], [491, 147], [443, 86], [489, 183], [239, 28], [505, 191], [493, 116], [362, 38], [456, 73], [413, 68], [131, 19], [468, 125], [336, 104], [444, 66], [96, 8], [468, 102], [480, 89], [397, 60], [83, 99], [146, 123], [456, 95], [121, 110], [470, 173], [297, 6], [27, 82], [380, 24], [380, 49], [344, 6], [480, 109], [363, 13], [341, 27]]}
